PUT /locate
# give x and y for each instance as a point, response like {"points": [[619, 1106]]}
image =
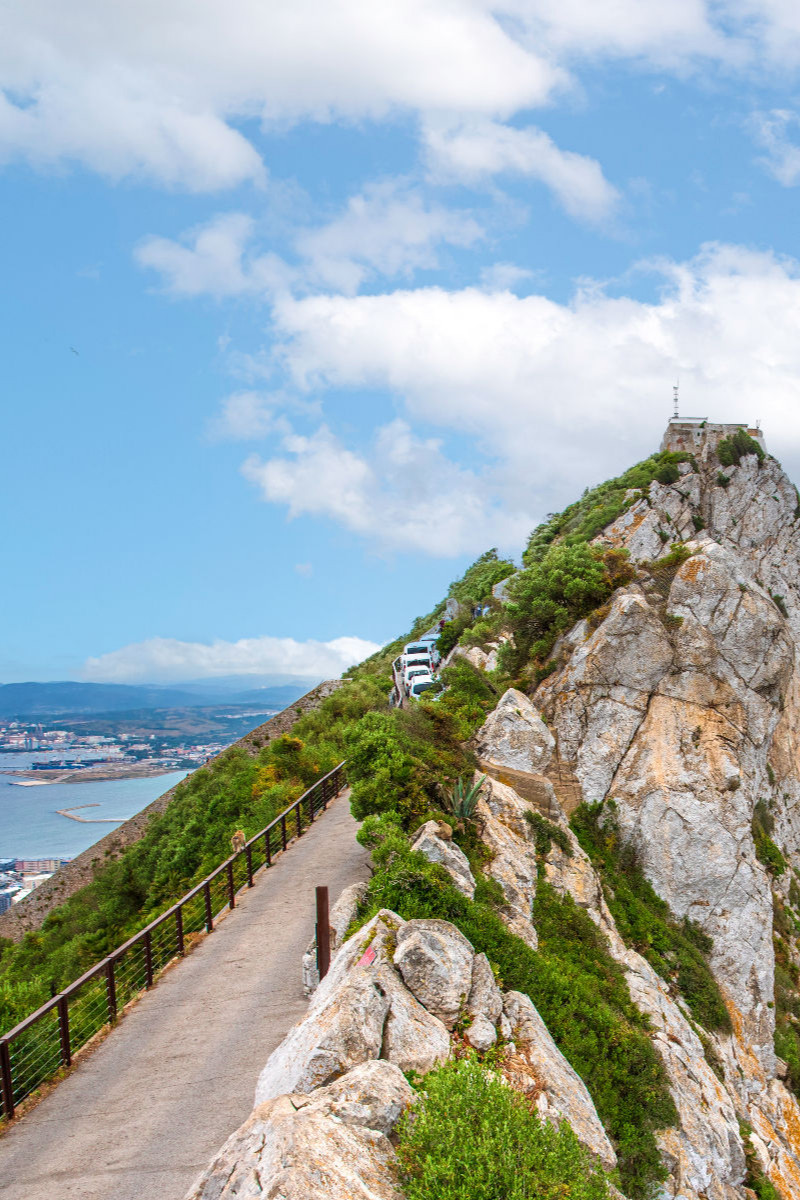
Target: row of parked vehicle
{"points": [[415, 669]]}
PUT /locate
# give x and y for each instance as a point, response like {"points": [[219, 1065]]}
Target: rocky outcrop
{"points": [[431, 841], [515, 736], [334, 1144], [330, 1096]]}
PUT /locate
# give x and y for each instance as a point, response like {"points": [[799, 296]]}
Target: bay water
{"points": [[30, 826]]}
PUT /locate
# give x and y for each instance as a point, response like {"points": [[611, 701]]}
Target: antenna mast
{"points": [[675, 387]]}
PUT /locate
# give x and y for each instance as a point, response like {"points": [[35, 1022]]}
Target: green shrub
{"points": [[755, 1179], [698, 522], [600, 506], [767, 852], [471, 1137], [577, 987], [476, 584], [722, 479], [780, 604], [677, 950], [732, 450], [550, 595], [545, 833]]}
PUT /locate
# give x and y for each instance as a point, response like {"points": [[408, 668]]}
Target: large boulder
{"points": [[362, 1010], [435, 961], [428, 840], [333, 1145], [515, 736]]}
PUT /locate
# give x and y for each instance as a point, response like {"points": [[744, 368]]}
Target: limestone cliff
{"points": [[677, 707]]}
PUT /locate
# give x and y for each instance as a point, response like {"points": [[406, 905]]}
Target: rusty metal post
{"points": [[148, 959], [283, 830], [179, 930], [111, 990], [323, 933], [231, 891], [248, 853], [63, 1030], [267, 849], [207, 896], [299, 819], [5, 1081]]}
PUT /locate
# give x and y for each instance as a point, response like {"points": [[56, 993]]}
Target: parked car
{"points": [[414, 669], [430, 641], [420, 684], [417, 660], [418, 647]]}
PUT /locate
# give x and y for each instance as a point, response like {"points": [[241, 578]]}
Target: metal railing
{"points": [[38, 1047]]}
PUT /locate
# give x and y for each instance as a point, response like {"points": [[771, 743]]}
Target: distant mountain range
{"points": [[68, 697]]}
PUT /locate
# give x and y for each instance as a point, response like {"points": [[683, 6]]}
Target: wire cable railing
{"points": [[44, 1043]]}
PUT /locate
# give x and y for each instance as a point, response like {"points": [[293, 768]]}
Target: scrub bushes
{"points": [[470, 1137]]}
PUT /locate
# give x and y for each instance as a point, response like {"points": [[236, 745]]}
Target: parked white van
{"points": [[414, 669], [420, 684]]}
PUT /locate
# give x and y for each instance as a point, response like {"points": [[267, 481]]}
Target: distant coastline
{"points": [[104, 772]]}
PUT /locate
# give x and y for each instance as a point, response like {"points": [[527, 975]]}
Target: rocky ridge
{"points": [[680, 702]]}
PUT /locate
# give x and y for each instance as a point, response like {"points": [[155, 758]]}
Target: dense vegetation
{"points": [[508, 1155], [599, 506], [577, 987], [732, 450], [676, 950]]}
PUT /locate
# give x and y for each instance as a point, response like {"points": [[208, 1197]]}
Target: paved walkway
{"points": [[147, 1110]]}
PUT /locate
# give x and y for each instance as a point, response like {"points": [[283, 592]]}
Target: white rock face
{"points": [[539, 1068], [435, 961], [504, 829], [428, 841], [334, 1145], [515, 736], [360, 1007]]}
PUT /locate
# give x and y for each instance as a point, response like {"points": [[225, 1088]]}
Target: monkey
{"points": [[237, 841]]}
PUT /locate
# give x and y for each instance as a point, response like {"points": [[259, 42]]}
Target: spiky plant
{"points": [[463, 798]]}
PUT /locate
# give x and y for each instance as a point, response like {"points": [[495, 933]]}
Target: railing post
{"points": [[111, 990], [63, 1029], [283, 830], [323, 933], [248, 853], [148, 959], [297, 808], [207, 897], [267, 849], [231, 892], [179, 930], [311, 806], [5, 1081]]}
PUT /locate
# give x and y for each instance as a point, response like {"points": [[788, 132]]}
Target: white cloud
{"points": [[155, 88], [555, 396], [407, 495], [167, 659], [476, 149], [245, 415], [214, 259], [388, 230], [160, 88], [783, 155]]}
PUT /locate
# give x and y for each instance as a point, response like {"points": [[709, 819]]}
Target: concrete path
{"points": [[147, 1110]]}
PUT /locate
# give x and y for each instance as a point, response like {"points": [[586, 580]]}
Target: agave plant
{"points": [[463, 798]]}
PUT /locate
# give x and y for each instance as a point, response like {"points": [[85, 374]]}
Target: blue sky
{"points": [[304, 310]]}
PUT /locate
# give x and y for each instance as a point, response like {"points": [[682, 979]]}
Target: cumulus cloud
{"points": [[772, 132], [388, 229], [124, 90], [406, 495], [476, 149], [169, 660], [549, 394], [160, 89], [244, 416]]}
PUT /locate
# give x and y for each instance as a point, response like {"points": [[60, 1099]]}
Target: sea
{"points": [[30, 826]]}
